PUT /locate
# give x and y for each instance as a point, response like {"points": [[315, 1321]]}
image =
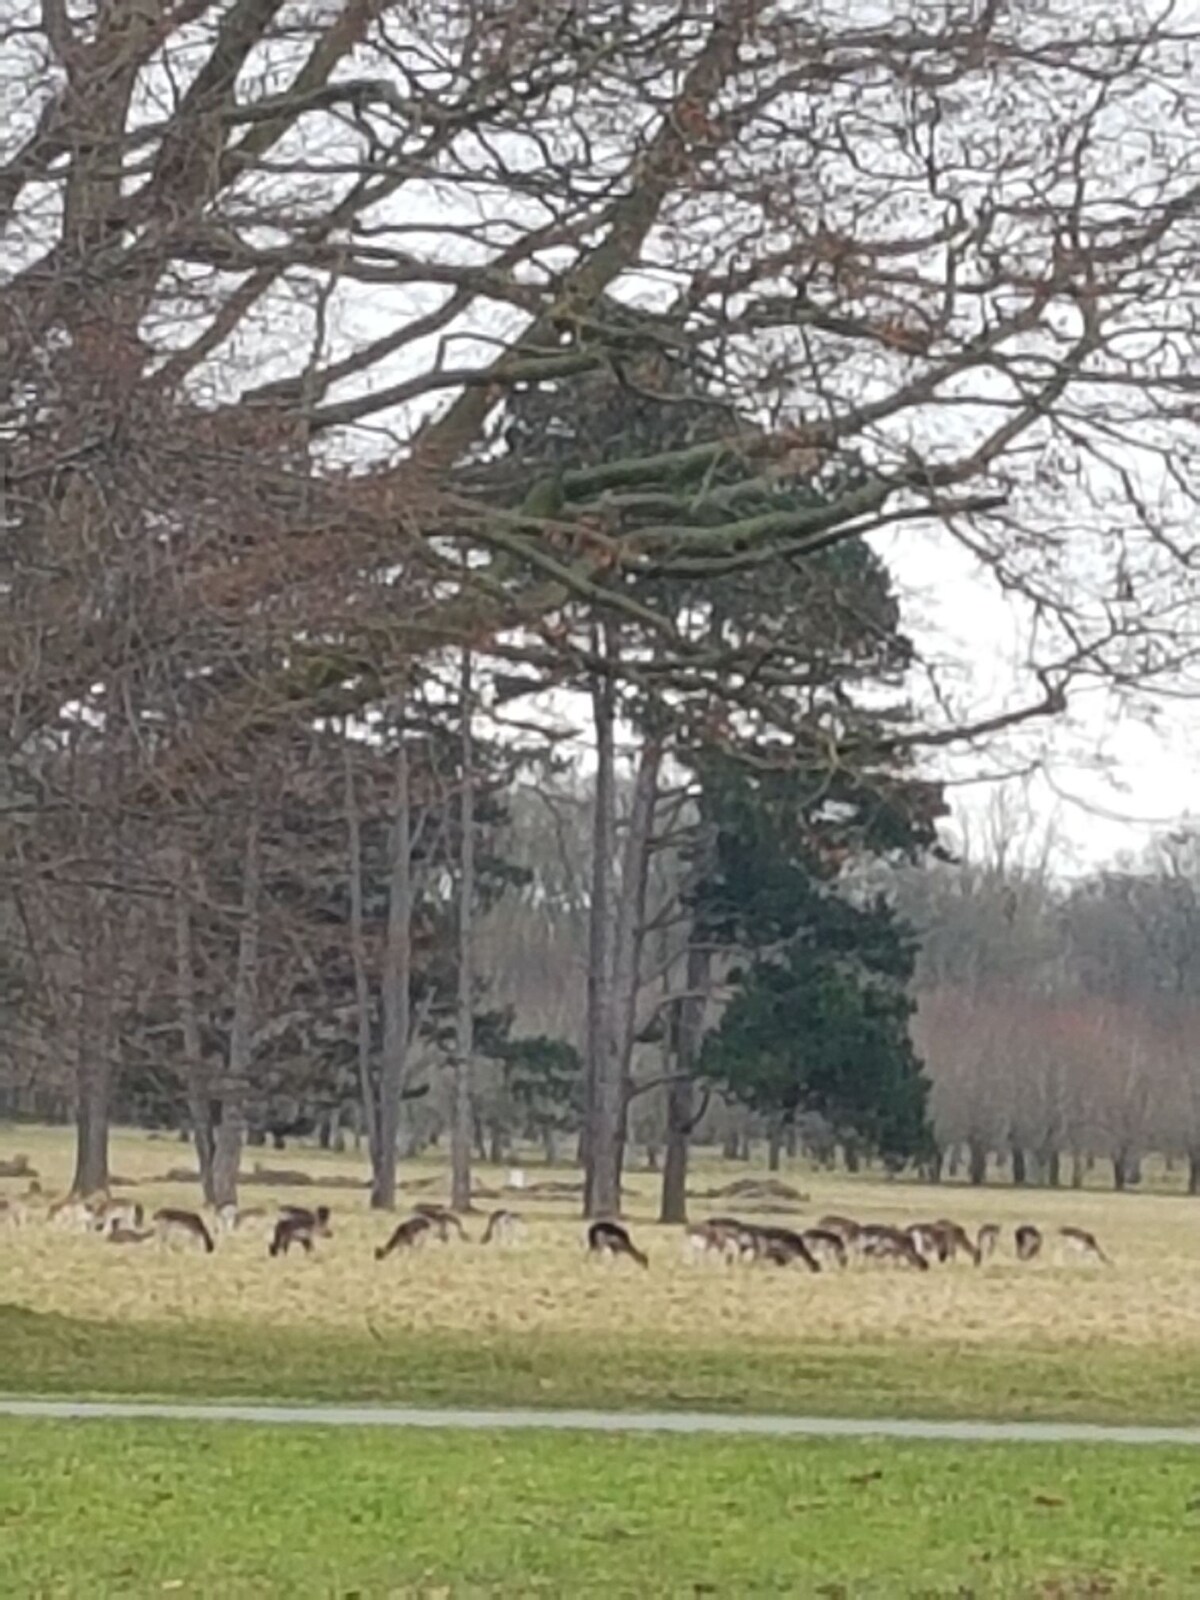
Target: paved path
{"points": [[372, 1416]]}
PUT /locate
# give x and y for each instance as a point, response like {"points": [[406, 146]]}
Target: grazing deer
{"points": [[928, 1240], [13, 1212], [826, 1246], [186, 1226], [1085, 1244], [880, 1242], [503, 1227], [110, 1213], [1028, 1241], [118, 1233], [69, 1212], [987, 1240], [720, 1237], [441, 1219], [955, 1240], [847, 1230], [781, 1246], [300, 1227], [405, 1236], [317, 1217], [611, 1239]]}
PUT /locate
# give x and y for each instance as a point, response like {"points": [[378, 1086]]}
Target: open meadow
{"points": [[312, 1512], [541, 1321]]}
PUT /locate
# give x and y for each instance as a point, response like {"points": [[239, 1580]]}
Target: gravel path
{"points": [[379, 1416]]}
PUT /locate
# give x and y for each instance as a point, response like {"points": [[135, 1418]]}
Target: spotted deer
{"points": [[1028, 1240], [300, 1227], [987, 1240], [406, 1235], [1082, 1243], [611, 1239], [827, 1246], [503, 1227], [186, 1227], [880, 1242]]}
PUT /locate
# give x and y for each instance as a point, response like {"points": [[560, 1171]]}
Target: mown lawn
{"points": [[47, 1354], [210, 1509]]}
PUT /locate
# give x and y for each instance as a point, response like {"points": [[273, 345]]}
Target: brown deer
{"points": [[171, 1223], [781, 1246], [880, 1242], [503, 1227], [1083, 1243], [405, 1235], [1028, 1241], [720, 1237], [827, 1246], [611, 1239], [441, 1219], [13, 1212], [987, 1240], [846, 1229], [118, 1233], [955, 1241], [300, 1227]]}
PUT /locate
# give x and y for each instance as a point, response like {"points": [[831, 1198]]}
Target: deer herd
{"points": [[834, 1242]]}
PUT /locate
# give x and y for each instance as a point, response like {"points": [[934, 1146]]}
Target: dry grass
{"points": [[1149, 1298]]}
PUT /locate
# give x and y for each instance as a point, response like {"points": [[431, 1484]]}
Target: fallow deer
{"points": [[118, 1233], [880, 1242], [827, 1246], [503, 1227], [405, 1235], [847, 1230], [13, 1212], [300, 1228], [1083, 1243], [611, 1239], [781, 1246], [956, 1240], [172, 1224], [987, 1240], [442, 1219], [1028, 1241]]}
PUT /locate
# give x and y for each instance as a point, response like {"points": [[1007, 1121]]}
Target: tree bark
{"points": [[93, 1064], [629, 931], [1053, 1168], [460, 1118], [397, 971], [774, 1145], [601, 1190], [362, 984], [1019, 1173], [977, 1161], [231, 1130], [199, 1089], [681, 1113]]}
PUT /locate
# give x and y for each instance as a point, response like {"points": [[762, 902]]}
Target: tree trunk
{"points": [[230, 1131], [850, 1155], [952, 1162], [1076, 1170], [362, 986], [460, 1117], [687, 1027], [774, 1145], [1119, 1174], [1053, 1164], [976, 1161], [92, 1079], [629, 928], [397, 970], [601, 1191], [199, 1090], [1193, 1184], [1019, 1173]]}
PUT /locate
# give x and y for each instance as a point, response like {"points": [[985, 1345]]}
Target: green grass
{"points": [[54, 1355], [101, 1509]]}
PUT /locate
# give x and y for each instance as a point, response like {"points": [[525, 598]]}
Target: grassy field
{"points": [[152, 1508], [544, 1324]]}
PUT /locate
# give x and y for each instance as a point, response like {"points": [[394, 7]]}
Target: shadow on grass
{"points": [[49, 1354]]}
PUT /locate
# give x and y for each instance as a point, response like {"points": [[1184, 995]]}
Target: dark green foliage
{"points": [[822, 1026]]}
